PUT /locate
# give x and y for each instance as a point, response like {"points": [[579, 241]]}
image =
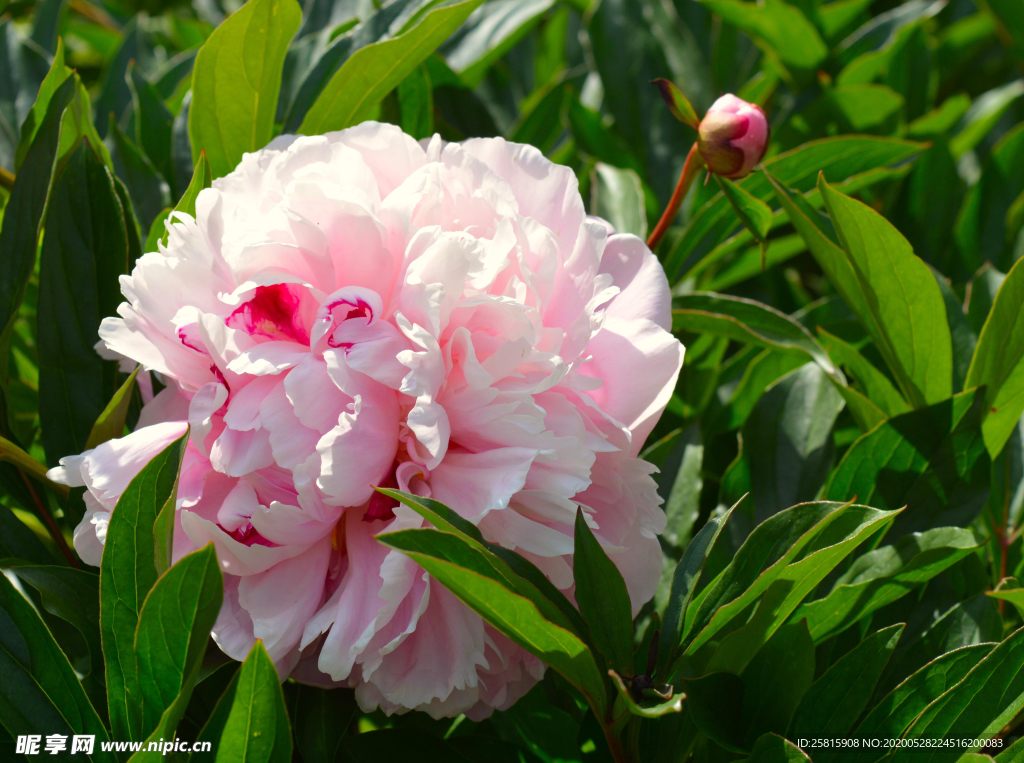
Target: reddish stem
{"points": [[693, 165], [58, 537]]}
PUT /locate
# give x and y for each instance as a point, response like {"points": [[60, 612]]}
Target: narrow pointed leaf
{"points": [[127, 573], [373, 71], [901, 295], [603, 599], [882, 576], [932, 460], [998, 362], [40, 693], [256, 730], [677, 103], [171, 639], [684, 582], [750, 322], [110, 424], [235, 82], [835, 701]]}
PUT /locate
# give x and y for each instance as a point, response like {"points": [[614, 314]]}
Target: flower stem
{"points": [[58, 537], [693, 165], [6, 179]]}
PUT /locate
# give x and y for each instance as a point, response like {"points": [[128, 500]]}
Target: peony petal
{"points": [[475, 483]]}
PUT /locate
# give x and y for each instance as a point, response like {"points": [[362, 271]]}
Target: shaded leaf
{"points": [[836, 700], [602, 598], [372, 71], [885, 574], [40, 693], [84, 251], [747, 321], [931, 460], [998, 362]]}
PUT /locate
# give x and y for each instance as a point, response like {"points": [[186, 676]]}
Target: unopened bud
{"points": [[732, 137]]}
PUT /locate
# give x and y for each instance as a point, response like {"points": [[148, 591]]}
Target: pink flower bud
{"points": [[733, 136]]}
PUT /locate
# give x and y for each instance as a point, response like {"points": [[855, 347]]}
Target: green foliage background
{"points": [[842, 462]]}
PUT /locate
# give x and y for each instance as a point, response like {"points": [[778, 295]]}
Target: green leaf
{"points": [[1014, 595], [836, 700], [373, 71], [158, 229], [435, 512], [655, 43], [712, 701], [932, 460], [235, 82], [755, 215], [774, 681], [215, 722], [680, 482], [400, 744], [593, 137], [12, 454], [55, 77], [19, 239], [976, 708], [772, 748], [84, 251], [202, 178], [840, 159], [677, 103], [171, 638], [150, 193], [1011, 18], [602, 598], [540, 116], [998, 362], [321, 719], [256, 730], [983, 115], [763, 371], [898, 709], [685, 579], [153, 123], [514, 615], [787, 441], [617, 195], [127, 573], [19, 542], [766, 555], [73, 596], [1012, 754], [40, 693], [980, 230], [489, 33], [110, 424], [416, 104], [747, 321], [849, 527], [884, 575], [876, 385], [904, 301], [778, 27], [323, 62], [508, 564]]}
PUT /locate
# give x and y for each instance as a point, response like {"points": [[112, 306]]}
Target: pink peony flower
{"points": [[359, 309], [733, 136]]}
